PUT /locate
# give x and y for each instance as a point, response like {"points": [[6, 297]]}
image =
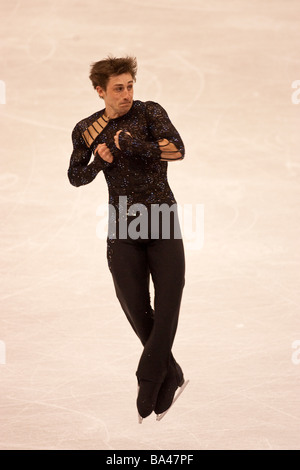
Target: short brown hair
{"points": [[112, 66]]}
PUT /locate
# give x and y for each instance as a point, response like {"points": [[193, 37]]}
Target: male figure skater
{"points": [[131, 142]]}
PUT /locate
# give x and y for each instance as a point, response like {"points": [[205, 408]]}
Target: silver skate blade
{"points": [[161, 415]]}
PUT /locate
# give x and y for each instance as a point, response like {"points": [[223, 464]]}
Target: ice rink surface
{"points": [[224, 71]]}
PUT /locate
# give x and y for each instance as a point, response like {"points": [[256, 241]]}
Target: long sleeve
{"points": [[132, 146], [165, 144], [164, 133], [81, 171]]}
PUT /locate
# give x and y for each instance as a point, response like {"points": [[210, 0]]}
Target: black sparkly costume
{"points": [[138, 172]]}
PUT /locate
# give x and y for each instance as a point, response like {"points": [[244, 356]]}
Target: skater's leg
{"points": [[167, 267], [127, 262]]}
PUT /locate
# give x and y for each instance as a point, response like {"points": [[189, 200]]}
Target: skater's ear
{"points": [[100, 91]]}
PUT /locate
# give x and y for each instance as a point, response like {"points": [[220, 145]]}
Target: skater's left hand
{"points": [[116, 138]]}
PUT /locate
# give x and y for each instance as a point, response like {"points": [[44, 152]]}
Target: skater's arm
{"points": [[164, 132], [166, 144], [133, 146], [81, 171]]}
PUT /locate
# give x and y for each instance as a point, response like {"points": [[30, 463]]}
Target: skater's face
{"points": [[118, 96]]}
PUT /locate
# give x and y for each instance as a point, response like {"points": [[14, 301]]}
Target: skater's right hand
{"points": [[104, 152]]}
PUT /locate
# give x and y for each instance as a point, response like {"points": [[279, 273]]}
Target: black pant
{"points": [[131, 262]]}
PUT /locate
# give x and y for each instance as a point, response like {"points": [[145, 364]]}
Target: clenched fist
{"points": [[104, 152], [116, 138]]}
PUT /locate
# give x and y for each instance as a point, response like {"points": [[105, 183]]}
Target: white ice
{"points": [[224, 71]]}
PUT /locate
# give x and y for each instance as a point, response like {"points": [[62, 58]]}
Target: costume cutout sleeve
{"points": [[166, 143], [81, 171]]}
